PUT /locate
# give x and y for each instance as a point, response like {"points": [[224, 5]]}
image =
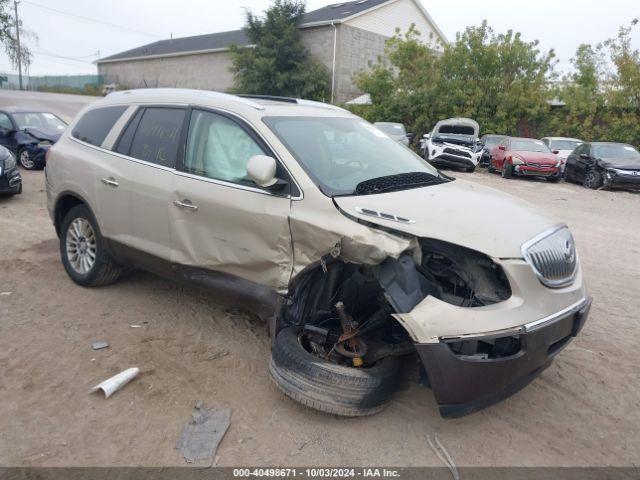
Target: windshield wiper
{"points": [[401, 181]]}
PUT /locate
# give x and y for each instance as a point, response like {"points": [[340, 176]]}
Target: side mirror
{"points": [[262, 170], [426, 136], [585, 156], [555, 151], [411, 136], [502, 147]]}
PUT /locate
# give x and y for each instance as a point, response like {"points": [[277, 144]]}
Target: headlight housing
{"points": [[517, 160], [553, 257], [44, 144]]}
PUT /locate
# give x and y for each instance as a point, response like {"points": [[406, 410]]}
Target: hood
{"points": [[457, 126], [622, 163], [538, 157], [50, 135], [459, 212]]}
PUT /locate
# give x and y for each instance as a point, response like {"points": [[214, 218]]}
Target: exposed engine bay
{"points": [[344, 310]]}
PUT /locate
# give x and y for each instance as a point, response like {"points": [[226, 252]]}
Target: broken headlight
{"points": [[461, 276]]}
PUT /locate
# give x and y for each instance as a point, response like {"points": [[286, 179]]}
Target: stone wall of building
{"points": [[207, 71]]}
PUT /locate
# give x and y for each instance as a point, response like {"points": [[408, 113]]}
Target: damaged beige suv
{"points": [[369, 257]]}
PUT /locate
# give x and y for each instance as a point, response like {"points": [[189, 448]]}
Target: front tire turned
{"points": [[592, 179], [328, 387], [507, 170], [83, 252]]}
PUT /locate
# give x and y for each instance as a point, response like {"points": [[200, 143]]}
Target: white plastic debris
{"points": [[5, 294], [99, 345], [116, 382]]}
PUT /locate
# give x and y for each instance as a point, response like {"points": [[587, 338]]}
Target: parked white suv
{"points": [[364, 251]]}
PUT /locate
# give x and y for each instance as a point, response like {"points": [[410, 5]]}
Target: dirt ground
{"points": [[584, 410]]}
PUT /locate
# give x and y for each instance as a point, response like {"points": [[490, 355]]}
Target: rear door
{"points": [[150, 144], [221, 220]]}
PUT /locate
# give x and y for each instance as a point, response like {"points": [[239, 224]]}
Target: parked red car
{"points": [[525, 157]]}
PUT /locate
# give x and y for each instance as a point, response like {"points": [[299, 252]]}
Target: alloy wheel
{"points": [[25, 160], [81, 246]]}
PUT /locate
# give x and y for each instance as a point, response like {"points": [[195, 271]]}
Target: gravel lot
{"points": [[193, 345], [584, 410]]}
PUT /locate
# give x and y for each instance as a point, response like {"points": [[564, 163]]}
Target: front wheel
{"points": [[24, 157], [507, 170], [83, 251], [592, 179], [322, 385]]}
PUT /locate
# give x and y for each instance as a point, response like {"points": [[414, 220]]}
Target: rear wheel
{"points": [[490, 168], [592, 179], [83, 251], [322, 385]]}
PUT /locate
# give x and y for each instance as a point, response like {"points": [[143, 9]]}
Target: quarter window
{"points": [[157, 137], [95, 125], [219, 148]]}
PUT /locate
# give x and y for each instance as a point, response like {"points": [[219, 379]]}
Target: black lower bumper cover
{"points": [[451, 161], [462, 385], [10, 181]]}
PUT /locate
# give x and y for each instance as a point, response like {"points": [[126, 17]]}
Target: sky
{"points": [[74, 33]]}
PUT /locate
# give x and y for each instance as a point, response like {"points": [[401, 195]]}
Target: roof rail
{"points": [[185, 92], [276, 98]]}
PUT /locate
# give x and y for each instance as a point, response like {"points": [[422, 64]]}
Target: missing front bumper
{"points": [[463, 384]]}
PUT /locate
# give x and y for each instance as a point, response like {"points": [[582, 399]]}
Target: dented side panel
{"points": [[323, 230], [236, 231]]}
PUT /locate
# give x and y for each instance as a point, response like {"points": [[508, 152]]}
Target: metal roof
{"points": [[221, 41]]}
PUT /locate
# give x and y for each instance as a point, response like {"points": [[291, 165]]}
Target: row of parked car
{"points": [[455, 143], [26, 134]]}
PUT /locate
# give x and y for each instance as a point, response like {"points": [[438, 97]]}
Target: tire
{"points": [[490, 168], [592, 179], [470, 169], [79, 229], [325, 386], [25, 160], [507, 170]]}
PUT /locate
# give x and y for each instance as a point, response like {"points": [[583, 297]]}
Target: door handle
{"points": [[185, 204], [110, 181]]}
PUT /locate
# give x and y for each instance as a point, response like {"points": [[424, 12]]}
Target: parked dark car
{"points": [[489, 142], [29, 133], [10, 179], [602, 164]]}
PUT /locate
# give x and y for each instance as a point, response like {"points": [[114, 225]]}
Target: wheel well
{"points": [[65, 203]]}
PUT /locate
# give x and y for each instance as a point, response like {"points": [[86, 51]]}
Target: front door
{"points": [[220, 219]]}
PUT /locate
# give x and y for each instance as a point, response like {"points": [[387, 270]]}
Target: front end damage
{"points": [[466, 316]]}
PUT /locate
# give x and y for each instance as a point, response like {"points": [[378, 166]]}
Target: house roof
{"points": [[334, 13], [179, 46], [339, 11]]}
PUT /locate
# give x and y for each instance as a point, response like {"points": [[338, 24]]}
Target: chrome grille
{"points": [[553, 257]]}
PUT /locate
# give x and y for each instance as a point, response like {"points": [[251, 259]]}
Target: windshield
{"points": [[40, 120], [492, 141], [564, 144], [529, 146], [391, 128], [616, 150], [339, 153]]}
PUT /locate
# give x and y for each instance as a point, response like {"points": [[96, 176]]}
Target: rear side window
{"points": [[95, 125], [157, 136]]}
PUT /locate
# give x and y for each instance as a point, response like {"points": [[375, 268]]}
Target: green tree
{"points": [[278, 64], [8, 39], [498, 79]]}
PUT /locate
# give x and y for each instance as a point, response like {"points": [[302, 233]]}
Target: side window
{"points": [[157, 136], [96, 124], [219, 148], [5, 122], [547, 142]]}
